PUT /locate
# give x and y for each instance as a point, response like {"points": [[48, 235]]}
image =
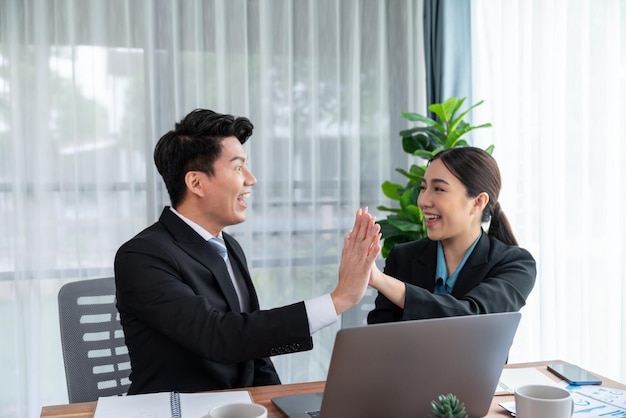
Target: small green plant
{"points": [[448, 406], [406, 223]]}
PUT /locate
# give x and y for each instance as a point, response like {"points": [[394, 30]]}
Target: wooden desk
{"points": [[264, 395]]}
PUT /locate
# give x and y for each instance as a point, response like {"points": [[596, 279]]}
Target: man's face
{"points": [[225, 193]]}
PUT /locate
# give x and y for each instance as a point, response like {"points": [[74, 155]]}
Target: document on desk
{"points": [[166, 404], [510, 379], [598, 401], [591, 402]]}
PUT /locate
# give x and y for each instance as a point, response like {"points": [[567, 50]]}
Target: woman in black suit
{"points": [[459, 269]]}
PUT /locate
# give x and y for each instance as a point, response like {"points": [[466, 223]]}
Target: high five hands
{"points": [[360, 249]]}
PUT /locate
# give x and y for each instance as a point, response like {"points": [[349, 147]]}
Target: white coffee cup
{"points": [[543, 401], [238, 410]]}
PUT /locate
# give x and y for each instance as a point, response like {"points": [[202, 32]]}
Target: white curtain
{"points": [[86, 89], [553, 77]]}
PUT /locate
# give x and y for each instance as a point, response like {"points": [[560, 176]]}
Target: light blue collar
{"points": [[447, 283]]}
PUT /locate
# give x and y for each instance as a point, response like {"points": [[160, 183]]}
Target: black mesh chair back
{"points": [[94, 353]]}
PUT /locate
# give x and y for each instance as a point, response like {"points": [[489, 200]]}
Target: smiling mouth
{"points": [[432, 217], [241, 199]]}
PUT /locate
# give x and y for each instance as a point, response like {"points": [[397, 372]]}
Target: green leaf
{"points": [[391, 230], [416, 139], [408, 198], [436, 135], [415, 215], [392, 240], [386, 228], [418, 170], [410, 175], [386, 209], [462, 130], [422, 137], [388, 244], [404, 225], [391, 190], [456, 121], [427, 155], [447, 109], [425, 137], [416, 117]]}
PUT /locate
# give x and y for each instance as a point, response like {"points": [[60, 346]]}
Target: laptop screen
{"points": [[397, 369]]}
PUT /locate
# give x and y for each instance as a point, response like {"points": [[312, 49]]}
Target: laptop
{"points": [[396, 369]]}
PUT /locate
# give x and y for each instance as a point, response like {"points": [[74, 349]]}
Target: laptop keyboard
{"points": [[313, 414]]}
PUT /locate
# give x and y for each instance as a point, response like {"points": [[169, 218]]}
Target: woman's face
{"points": [[449, 213]]}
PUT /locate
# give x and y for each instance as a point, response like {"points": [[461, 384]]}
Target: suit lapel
{"points": [[237, 256], [468, 277], [201, 251], [423, 269]]}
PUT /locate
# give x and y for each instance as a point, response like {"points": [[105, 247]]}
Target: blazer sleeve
{"points": [[501, 285], [384, 309], [158, 289], [496, 278]]}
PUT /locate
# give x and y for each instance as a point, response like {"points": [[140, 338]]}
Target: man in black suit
{"points": [[189, 309]]}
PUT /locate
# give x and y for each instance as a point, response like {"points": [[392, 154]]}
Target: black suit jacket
{"points": [[495, 278], [181, 317]]}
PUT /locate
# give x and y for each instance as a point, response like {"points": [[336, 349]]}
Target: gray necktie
{"points": [[240, 287], [220, 246]]}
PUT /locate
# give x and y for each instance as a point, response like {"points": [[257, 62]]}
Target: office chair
{"points": [[94, 353]]}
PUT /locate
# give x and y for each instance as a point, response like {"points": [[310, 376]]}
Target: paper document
{"points": [[166, 404], [591, 402], [514, 378]]}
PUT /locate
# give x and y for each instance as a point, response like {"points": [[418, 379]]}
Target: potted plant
{"points": [[448, 406], [406, 223]]}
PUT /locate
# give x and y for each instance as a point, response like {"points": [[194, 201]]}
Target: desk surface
{"points": [[264, 394]]}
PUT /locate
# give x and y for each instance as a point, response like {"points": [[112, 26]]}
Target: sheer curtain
{"points": [[552, 74], [86, 89]]}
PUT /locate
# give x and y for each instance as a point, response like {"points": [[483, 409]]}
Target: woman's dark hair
{"points": [[194, 145], [479, 172]]}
